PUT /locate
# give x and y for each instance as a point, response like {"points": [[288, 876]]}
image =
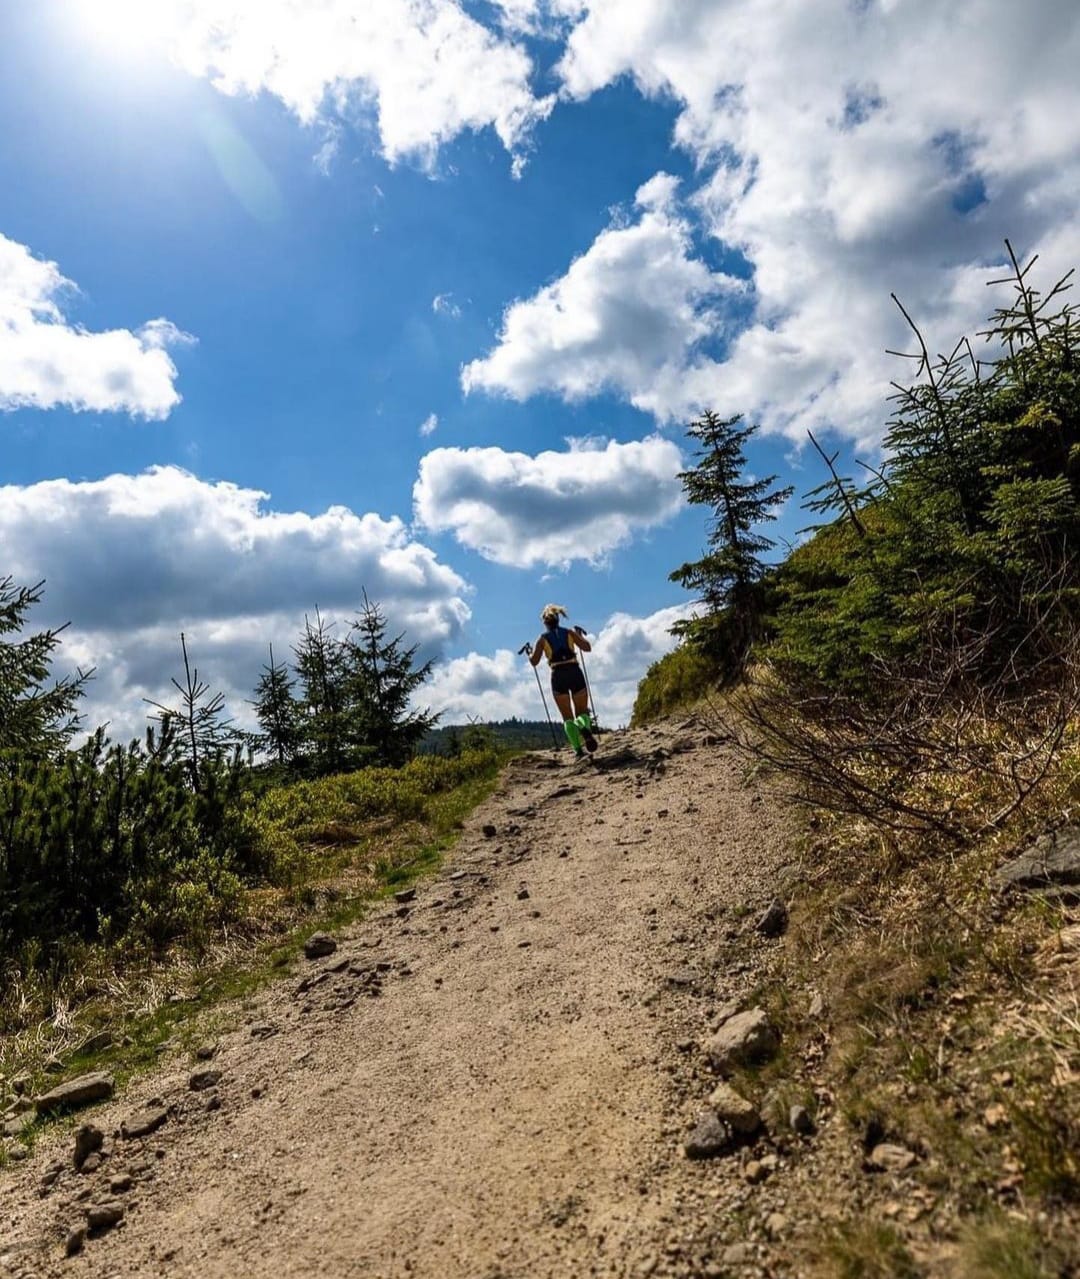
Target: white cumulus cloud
{"points": [[502, 685], [551, 508], [427, 69], [132, 560], [47, 362], [628, 316], [849, 150]]}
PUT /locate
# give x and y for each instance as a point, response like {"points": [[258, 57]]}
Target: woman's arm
{"points": [[536, 656], [579, 641]]}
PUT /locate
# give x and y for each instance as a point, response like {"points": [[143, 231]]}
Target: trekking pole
{"points": [[527, 649], [588, 686]]}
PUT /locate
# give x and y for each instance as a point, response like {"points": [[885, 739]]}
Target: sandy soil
{"points": [[511, 1103]]}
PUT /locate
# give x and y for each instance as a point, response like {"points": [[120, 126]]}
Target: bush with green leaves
{"points": [[112, 840]]}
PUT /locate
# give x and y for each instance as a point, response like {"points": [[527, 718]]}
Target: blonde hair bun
{"points": [[552, 610]]}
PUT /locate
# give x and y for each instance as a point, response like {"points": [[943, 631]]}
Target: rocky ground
{"points": [[515, 1070]]}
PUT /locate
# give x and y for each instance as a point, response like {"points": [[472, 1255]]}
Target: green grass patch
{"points": [[151, 1017], [677, 680]]}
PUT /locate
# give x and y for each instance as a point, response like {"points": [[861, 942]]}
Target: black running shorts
{"points": [[567, 679]]}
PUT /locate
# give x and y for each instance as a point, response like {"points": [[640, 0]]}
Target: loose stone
{"points": [[318, 945], [710, 1137], [742, 1040], [800, 1121], [76, 1092], [104, 1215], [143, 1123]]}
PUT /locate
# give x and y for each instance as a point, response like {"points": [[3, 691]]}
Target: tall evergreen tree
{"points": [[322, 665], [278, 712], [727, 578], [382, 680], [36, 717]]}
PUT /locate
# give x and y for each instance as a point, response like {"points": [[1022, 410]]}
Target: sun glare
{"points": [[125, 28]]}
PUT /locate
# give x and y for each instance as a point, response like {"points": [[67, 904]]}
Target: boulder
{"points": [[76, 1092], [742, 1040]]}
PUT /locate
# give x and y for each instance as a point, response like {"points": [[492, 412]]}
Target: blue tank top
{"points": [[559, 639]]}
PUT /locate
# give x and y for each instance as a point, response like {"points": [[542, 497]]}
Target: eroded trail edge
{"points": [[489, 1080]]}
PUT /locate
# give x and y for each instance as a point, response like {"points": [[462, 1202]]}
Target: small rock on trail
{"points": [[143, 1123], [742, 1040], [104, 1216], [709, 1138], [318, 945], [774, 922], [88, 1140], [76, 1092]]}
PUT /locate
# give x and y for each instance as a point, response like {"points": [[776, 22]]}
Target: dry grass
{"points": [[863, 1250], [114, 1009], [1001, 1247], [953, 1022]]}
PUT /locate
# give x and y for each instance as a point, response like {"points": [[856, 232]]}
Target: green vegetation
{"points": [[507, 735], [325, 850], [866, 1251], [911, 677], [123, 868], [679, 678], [913, 662], [353, 708]]}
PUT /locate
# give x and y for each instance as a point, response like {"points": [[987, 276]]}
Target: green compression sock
{"points": [[584, 721], [573, 733]]}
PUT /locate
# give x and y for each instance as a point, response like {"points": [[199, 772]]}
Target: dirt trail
{"points": [[512, 1102]]}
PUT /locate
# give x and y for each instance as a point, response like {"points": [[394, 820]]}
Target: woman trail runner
{"points": [[568, 686]]}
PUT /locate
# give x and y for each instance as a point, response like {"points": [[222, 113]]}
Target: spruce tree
{"points": [[726, 579], [322, 665], [278, 712], [382, 680], [36, 717]]}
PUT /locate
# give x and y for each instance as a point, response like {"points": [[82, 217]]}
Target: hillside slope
{"points": [[514, 1100]]}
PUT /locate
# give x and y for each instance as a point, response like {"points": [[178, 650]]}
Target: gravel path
{"points": [[487, 1082]]}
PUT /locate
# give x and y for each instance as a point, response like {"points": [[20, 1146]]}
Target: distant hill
{"points": [[519, 734]]}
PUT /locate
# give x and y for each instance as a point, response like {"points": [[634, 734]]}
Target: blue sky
{"points": [[248, 249]]}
